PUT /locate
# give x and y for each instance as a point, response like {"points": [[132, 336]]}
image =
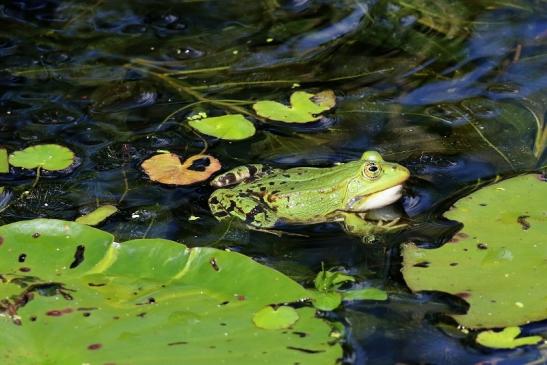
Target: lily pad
{"points": [[327, 301], [166, 168], [4, 164], [506, 339], [365, 294], [305, 107], [232, 127], [70, 295], [497, 261], [50, 157], [275, 318], [98, 215]]}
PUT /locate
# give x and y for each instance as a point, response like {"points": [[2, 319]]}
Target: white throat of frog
{"points": [[377, 200]]}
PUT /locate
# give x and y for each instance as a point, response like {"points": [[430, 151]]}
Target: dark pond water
{"points": [[454, 90]]}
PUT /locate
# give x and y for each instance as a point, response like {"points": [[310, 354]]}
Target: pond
{"points": [[455, 91]]}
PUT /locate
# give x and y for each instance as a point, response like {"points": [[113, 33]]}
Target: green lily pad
{"points": [[232, 127], [497, 261], [327, 301], [98, 215], [305, 107], [50, 157], [275, 318], [70, 295], [365, 294], [506, 339], [4, 164]]}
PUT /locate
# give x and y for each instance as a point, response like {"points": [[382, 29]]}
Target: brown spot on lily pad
{"points": [[177, 343], [94, 346], [523, 222], [214, 264], [463, 295], [458, 236], [24, 269], [59, 313], [1, 240]]}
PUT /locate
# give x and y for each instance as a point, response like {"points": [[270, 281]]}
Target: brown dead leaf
{"points": [[166, 168]]}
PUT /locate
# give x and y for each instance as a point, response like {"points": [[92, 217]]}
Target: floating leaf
{"points": [[329, 280], [4, 164], [327, 301], [305, 107], [497, 261], [232, 127], [50, 157], [328, 296], [70, 295], [167, 169], [506, 339], [275, 318], [98, 215], [364, 294]]}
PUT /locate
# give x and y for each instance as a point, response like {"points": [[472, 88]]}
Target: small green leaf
{"points": [[4, 165], [275, 318], [232, 127], [50, 157], [506, 339], [365, 294], [305, 107], [98, 215], [327, 301], [327, 280]]}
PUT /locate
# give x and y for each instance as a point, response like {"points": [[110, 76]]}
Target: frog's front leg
{"points": [[355, 224], [246, 173], [249, 209]]}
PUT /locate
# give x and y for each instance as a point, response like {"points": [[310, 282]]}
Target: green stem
{"points": [[180, 86], [486, 140], [541, 141], [38, 169]]}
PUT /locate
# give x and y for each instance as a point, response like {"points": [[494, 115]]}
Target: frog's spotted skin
{"points": [[245, 173], [265, 198]]}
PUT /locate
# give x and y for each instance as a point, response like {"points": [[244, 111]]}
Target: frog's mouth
{"points": [[382, 198]]}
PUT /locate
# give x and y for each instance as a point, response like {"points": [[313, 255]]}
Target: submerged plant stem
{"points": [[180, 86], [483, 137], [125, 186], [37, 178]]}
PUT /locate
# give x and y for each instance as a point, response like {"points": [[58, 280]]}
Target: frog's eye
{"points": [[372, 170]]}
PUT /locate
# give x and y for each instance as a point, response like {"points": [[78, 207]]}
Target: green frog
{"points": [[267, 198]]}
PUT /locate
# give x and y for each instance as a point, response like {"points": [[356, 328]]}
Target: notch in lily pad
{"points": [[305, 107], [233, 127], [166, 168], [49, 157]]}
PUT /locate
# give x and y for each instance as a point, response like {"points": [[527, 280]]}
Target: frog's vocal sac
{"points": [[268, 198]]}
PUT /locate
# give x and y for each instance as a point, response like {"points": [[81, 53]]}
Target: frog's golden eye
{"points": [[372, 170]]}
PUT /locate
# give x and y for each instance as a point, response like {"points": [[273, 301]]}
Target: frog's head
{"points": [[377, 183]]}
